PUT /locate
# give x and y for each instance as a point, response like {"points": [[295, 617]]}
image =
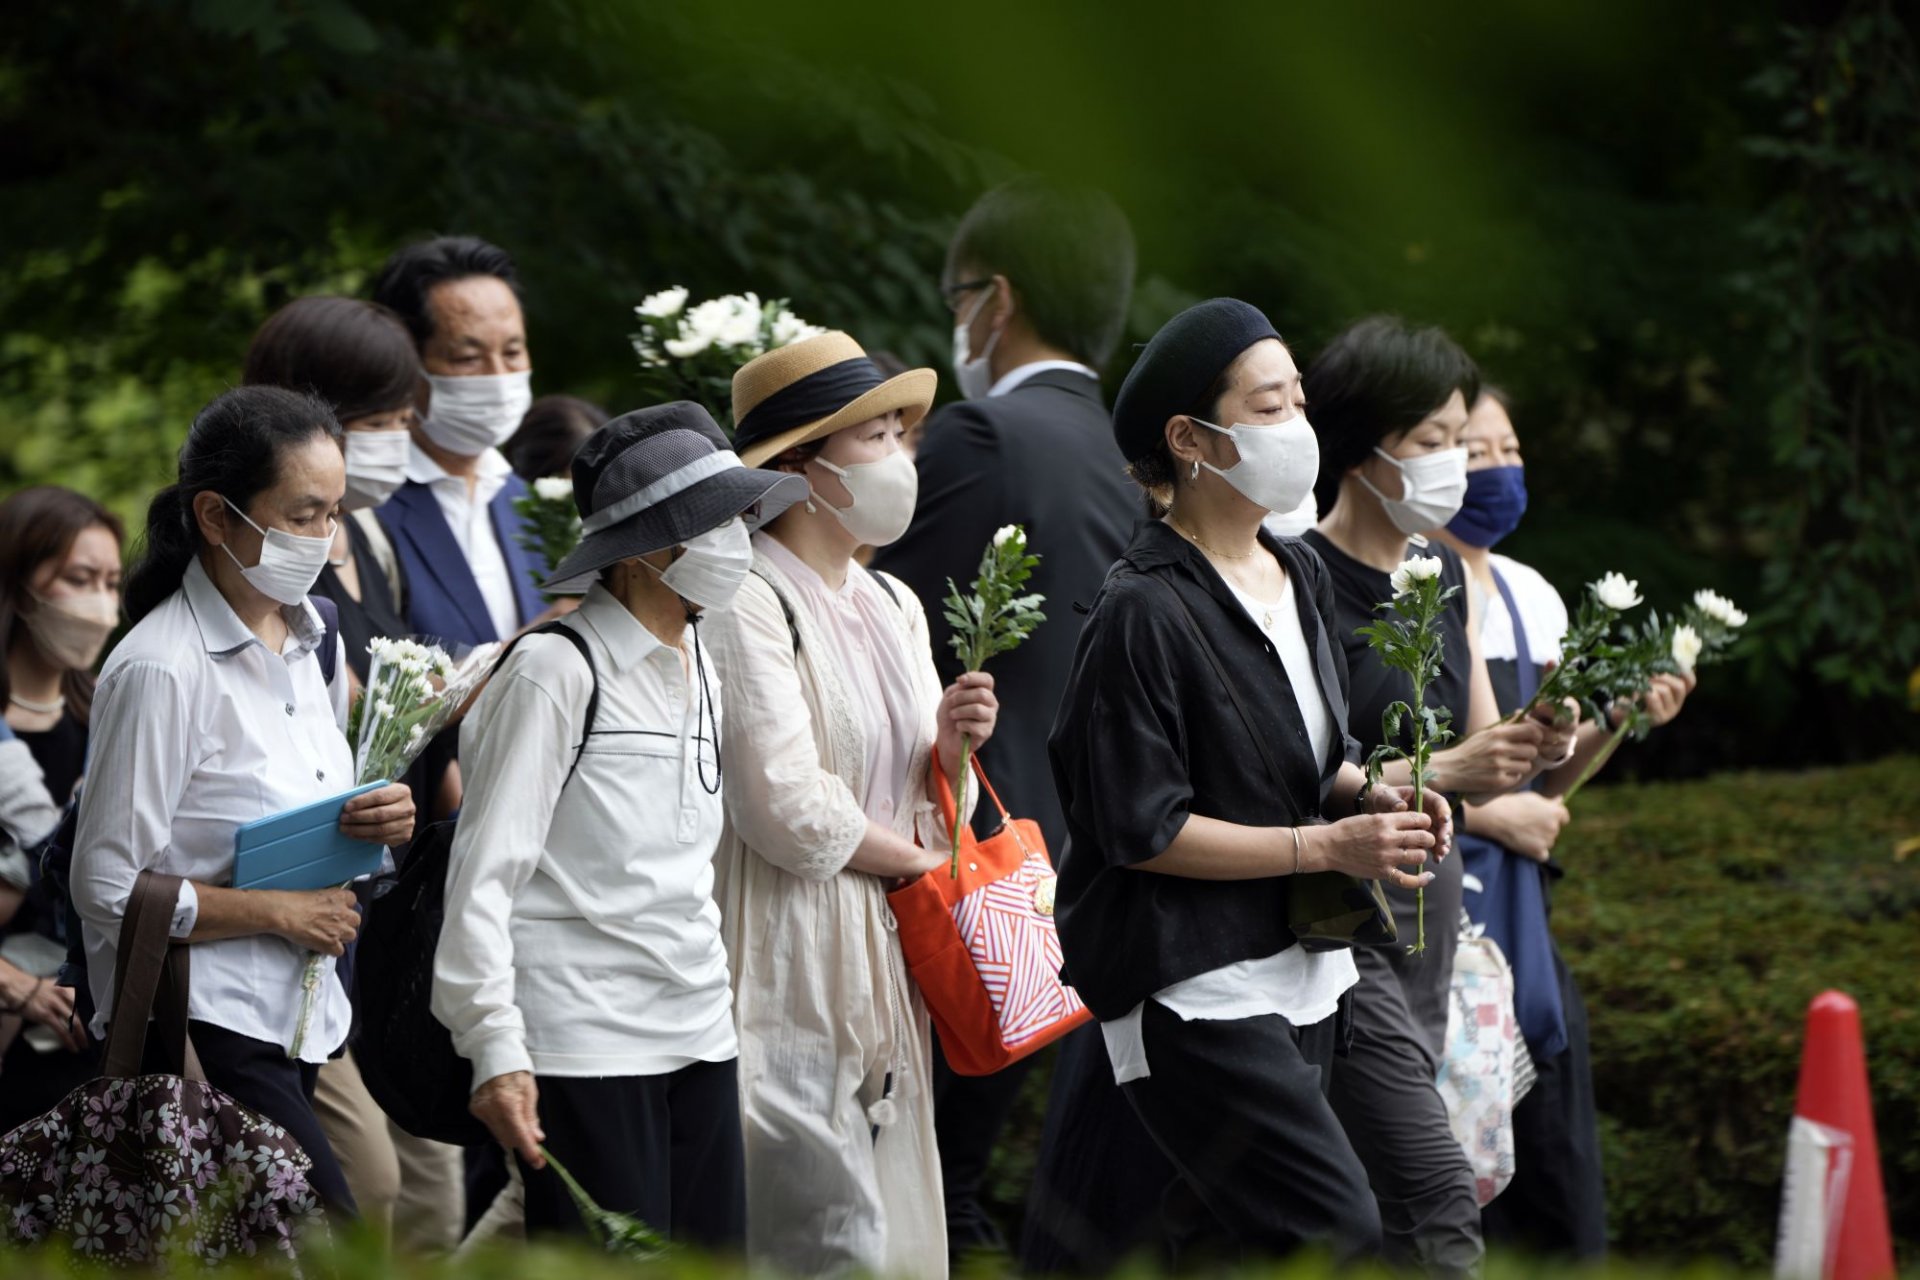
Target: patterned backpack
{"points": [[133, 1169]]}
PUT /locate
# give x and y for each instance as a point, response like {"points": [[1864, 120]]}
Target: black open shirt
{"points": [[1146, 736]]}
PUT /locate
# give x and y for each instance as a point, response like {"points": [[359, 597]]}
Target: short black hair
{"points": [[353, 354], [552, 432], [412, 272], [1379, 378], [1067, 251]]}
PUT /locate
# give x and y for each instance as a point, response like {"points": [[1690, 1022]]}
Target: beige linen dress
{"points": [[835, 1058]]}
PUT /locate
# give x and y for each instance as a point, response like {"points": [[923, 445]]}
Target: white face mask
{"points": [[884, 493], [1432, 487], [709, 572], [289, 564], [1278, 464], [71, 630], [1291, 524], [376, 466], [973, 377], [469, 416]]}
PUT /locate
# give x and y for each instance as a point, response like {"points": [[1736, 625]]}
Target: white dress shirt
{"points": [[1014, 377], [471, 519], [1302, 986], [196, 729], [581, 934]]}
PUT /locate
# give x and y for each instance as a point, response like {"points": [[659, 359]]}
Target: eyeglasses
{"points": [[953, 293]]}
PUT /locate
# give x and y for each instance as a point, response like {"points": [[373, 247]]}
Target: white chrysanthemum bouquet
{"points": [[1699, 636], [691, 352], [550, 522], [412, 691], [1410, 642]]}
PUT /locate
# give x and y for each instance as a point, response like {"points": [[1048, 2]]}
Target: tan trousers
{"points": [[410, 1190]]}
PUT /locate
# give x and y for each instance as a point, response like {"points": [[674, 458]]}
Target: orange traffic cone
{"points": [[1833, 1215]]}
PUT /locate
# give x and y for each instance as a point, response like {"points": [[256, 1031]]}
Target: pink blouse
{"points": [[856, 623]]}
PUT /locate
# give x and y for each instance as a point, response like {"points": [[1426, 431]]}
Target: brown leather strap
{"points": [[147, 955]]}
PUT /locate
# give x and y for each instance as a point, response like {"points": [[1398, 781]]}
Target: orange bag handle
{"points": [[943, 792]]}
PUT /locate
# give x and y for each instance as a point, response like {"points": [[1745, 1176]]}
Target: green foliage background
{"points": [[1686, 238]]}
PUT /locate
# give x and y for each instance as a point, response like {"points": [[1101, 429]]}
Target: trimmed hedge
{"points": [[1700, 919]]}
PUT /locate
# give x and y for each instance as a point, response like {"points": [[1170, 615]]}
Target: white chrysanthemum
{"points": [[382, 708], [684, 348], [789, 329], [1719, 608], [414, 735], [1005, 532], [1617, 592], [664, 304], [740, 323], [1418, 569], [1686, 647], [650, 355], [553, 489]]}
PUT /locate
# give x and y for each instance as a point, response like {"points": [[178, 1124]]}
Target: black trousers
{"points": [[666, 1149], [968, 1114], [1384, 1094], [1556, 1205], [261, 1077], [1100, 1179], [1240, 1108]]}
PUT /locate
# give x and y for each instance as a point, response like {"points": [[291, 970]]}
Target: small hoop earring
{"points": [[1195, 473]]}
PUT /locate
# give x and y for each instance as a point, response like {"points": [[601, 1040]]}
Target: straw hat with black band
{"points": [[813, 388], [654, 478]]}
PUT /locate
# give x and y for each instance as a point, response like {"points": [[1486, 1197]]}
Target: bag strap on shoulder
{"points": [[579, 642], [383, 555]]}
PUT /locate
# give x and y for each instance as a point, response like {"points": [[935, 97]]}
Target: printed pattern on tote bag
{"points": [[129, 1172], [1477, 1076], [1016, 948]]}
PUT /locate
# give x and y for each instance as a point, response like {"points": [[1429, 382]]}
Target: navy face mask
{"points": [[1496, 499]]}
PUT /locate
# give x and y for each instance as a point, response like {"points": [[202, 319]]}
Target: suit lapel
{"points": [[521, 566], [424, 527]]}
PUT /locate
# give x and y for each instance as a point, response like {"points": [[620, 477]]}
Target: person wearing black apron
{"points": [[1389, 409], [1209, 794], [1556, 1203]]}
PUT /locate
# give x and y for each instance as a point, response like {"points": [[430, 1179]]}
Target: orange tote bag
{"points": [[982, 945]]}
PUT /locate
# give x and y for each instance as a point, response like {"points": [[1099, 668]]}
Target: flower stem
{"points": [[959, 804], [1600, 758]]}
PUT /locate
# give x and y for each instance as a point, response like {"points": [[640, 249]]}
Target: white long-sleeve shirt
{"points": [[581, 934], [196, 729]]}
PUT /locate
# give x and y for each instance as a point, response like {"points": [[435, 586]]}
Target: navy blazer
{"points": [[443, 600]]}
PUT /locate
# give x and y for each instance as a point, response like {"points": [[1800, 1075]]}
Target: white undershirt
{"points": [[1302, 986], [1014, 377], [470, 517]]}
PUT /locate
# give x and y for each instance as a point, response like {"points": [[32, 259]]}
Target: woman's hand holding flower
{"points": [[968, 709]]}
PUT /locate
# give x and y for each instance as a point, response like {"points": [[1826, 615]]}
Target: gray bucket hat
{"points": [[656, 477]]}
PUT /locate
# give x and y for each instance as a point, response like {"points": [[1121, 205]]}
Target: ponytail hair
{"points": [[234, 448]]}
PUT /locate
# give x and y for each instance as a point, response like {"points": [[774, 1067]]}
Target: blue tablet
{"points": [[303, 848]]}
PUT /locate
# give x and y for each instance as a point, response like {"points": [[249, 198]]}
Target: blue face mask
{"points": [[1496, 499]]}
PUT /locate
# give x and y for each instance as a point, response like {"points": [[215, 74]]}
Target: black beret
{"points": [[1178, 367]]}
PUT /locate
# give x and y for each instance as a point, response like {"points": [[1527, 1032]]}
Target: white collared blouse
{"points": [[581, 934], [197, 728]]}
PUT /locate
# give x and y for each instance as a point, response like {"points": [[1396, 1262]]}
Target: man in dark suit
{"points": [[452, 524], [1038, 278]]}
